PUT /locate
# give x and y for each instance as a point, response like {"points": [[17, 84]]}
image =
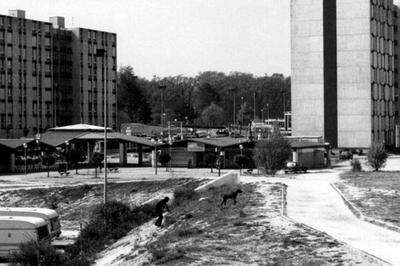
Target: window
{"points": [[3, 120], [9, 37]]}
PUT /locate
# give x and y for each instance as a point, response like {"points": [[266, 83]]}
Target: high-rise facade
{"points": [[343, 71], [51, 76]]}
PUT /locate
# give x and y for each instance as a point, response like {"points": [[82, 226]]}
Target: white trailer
{"points": [[15, 230], [49, 215]]}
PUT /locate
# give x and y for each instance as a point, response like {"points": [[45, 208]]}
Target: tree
{"points": [[97, 161], [164, 159], [75, 156], [272, 153], [48, 159], [212, 115], [241, 160], [377, 156], [210, 159], [132, 104]]}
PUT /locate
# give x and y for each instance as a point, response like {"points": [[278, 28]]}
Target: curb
{"points": [[361, 216]]}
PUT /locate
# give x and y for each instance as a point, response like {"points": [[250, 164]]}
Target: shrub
{"points": [[161, 254], [356, 165], [164, 158], [210, 159], [241, 160], [109, 222], [272, 153], [34, 253], [186, 232], [377, 155], [184, 193]]}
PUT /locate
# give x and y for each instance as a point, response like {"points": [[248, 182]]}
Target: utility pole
{"points": [[102, 53]]}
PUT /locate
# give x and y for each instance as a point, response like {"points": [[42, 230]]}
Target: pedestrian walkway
{"points": [[312, 201]]}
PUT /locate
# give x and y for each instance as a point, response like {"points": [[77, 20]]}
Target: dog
{"points": [[232, 195]]}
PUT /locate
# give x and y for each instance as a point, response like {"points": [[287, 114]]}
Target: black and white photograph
{"points": [[199, 132]]}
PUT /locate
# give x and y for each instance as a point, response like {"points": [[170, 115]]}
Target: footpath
{"points": [[311, 200]]}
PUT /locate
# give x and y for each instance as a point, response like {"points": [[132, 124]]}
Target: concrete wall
{"points": [[231, 178], [307, 67], [354, 73]]}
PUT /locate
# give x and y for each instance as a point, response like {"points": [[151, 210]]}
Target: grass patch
{"points": [[376, 194]]}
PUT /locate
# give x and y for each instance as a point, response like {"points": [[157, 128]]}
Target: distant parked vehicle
{"points": [[15, 230], [345, 155], [294, 167], [48, 215]]}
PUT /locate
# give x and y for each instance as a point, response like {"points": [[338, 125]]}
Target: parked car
{"points": [[294, 167], [15, 230], [345, 155], [50, 216]]}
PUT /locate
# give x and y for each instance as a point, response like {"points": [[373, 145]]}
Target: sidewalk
{"points": [[312, 201]]}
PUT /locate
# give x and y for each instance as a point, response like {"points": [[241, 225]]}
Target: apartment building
{"points": [[25, 75], [344, 71], [51, 76]]}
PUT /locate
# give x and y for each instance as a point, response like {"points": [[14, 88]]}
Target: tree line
{"points": [[208, 99]]}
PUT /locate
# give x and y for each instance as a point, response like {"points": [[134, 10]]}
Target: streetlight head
{"points": [[24, 145]]}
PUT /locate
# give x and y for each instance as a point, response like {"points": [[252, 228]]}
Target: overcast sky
{"points": [[172, 37]]}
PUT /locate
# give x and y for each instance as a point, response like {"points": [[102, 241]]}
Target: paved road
{"points": [[312, 201]]}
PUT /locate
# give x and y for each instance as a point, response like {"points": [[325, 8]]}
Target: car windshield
{"points": [[291, 164]]}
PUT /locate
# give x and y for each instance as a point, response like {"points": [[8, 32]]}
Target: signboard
{"points": [[196, 147]]}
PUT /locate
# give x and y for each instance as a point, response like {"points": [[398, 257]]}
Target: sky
{"points": [[181, 37]]}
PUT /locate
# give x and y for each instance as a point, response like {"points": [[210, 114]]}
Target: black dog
{"points": [[232, 195]]}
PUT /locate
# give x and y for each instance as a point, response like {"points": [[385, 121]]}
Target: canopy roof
{"points": [[79, 127], [14, 143]]}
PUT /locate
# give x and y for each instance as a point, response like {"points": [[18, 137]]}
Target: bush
{"points": [[272, 153], [110, 222], [210, 159], [241, 160], [356, 165], [184, 193], [34, 253], [377, 156], [164, 158]]}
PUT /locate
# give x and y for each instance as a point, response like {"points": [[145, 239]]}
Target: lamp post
{"points": [[25, 146], [162, 88], [241, 155], [268, 112], [66, 155], [102, 53], [262, 115], [284, 102], [241, 113], [170, 145], [254, 106]]}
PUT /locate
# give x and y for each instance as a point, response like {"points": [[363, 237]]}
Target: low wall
{"points": [[231, 178]]}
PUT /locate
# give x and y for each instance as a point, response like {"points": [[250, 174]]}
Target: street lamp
{"points": [[262, 115], [102, 53], [25, 146], [241, 113], [162, 88], [66, 155], [268, 112]]}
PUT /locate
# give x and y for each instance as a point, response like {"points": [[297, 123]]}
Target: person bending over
{"points": [[160, 206]]}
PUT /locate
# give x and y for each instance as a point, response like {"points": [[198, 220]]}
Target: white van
{"points": [[15, 230], [49, 215]]}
